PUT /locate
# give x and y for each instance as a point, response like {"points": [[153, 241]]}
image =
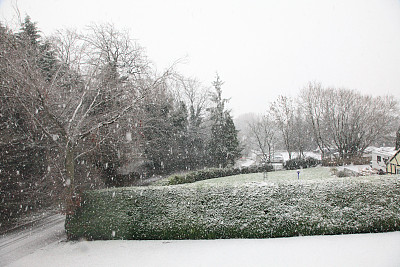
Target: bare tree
{"points": [[303, 135], [283, 111], [196, 97], [347, 121], [356, 120], [263, 133], [314, 108], [99, 80]]}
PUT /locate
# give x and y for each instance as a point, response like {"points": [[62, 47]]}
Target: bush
{"points": [[249, 211], [356, 160], [342, 174], [215, 173], [301, 163]]}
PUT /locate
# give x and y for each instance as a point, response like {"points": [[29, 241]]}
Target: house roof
{"points": [[386, 151], [392, 157]]}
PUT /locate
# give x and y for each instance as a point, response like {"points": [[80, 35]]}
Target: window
{"points": [[378, 158]]}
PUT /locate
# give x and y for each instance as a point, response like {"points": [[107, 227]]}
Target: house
{"points": [[380, 157], [393, 164]]}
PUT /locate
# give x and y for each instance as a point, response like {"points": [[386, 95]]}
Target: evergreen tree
{"points": [[24, 149], [29, 33], [157, 132], [231, 140], [179, 119], [179, 142], [224, 144], [47, 61], [398, 139], [41, 54]]}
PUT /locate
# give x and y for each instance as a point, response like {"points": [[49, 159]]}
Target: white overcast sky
{"points": [[260, 48]]}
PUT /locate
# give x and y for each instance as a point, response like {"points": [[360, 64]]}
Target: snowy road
{"points": [[365, 250], [38, 235]]}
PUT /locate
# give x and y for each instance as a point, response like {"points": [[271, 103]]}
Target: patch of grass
{"points": [[242, 206]]}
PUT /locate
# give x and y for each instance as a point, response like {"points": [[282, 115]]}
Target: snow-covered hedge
{"points": [[297, 163], [253, 210], [200, 175]]}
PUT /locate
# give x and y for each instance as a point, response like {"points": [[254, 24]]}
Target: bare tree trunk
{"points": [[70, 174]]}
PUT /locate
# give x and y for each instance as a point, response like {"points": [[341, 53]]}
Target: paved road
{"points": [[37, 235]]}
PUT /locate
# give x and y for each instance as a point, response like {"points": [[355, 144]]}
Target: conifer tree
{"points": [[231, 141], [224, 145], [40, 52], [29, 32]]}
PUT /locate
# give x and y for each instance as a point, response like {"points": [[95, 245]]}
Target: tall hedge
{"points": [[342, 206], [205, 174]]}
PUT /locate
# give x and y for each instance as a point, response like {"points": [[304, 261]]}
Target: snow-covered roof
{"points": [[387, 151]]}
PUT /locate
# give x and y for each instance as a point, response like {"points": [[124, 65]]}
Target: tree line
{"points": [[340, 123], [85, 110]]}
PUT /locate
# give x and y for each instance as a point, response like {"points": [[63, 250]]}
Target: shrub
{"points": [[333, 171], [301, 163], [215, 173], [342, 174], [249, 211], [356, 160]]}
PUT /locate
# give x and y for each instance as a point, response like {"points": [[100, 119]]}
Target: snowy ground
{"points": [[285, 154], [357, 168], [346, 250], [244, 162], [44, 245], [36, 235]]}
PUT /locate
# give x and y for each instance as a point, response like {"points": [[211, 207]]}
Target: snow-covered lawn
{"points": [[310, 175], [346, 250]]}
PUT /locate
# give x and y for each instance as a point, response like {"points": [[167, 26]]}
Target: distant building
{"points": [[393, 164], [380, 157]]}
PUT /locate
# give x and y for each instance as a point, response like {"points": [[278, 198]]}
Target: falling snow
{"points": [[128, 136]]}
